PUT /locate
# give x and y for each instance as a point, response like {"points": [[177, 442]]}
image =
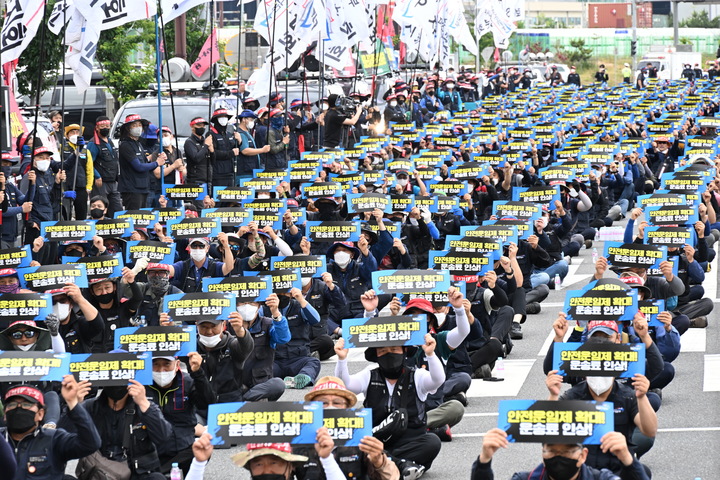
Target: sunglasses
{"points": [[196, 246], [17, 335]]}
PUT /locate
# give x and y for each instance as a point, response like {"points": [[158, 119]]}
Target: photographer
{"points": [[338, 116], [174, 170]]}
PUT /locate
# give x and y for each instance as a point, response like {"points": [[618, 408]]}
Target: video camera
{"points": [[346, 105]]}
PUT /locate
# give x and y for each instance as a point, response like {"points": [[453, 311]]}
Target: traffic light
{"points": [[633, 47]]}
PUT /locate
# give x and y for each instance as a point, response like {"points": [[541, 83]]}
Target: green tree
{"points": [[580, 54], [196, 33], [700, 19], [32, 61]]}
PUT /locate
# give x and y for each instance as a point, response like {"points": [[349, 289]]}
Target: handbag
{"points": [[97, 467]]}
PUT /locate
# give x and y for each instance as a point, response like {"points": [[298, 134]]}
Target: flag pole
{"points": [[170, 88], [158, 66], [210, 100]]}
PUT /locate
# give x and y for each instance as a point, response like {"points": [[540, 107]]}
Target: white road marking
{"points": [[660, 430], [516, 371], [549, 340], [693, 340], [485, 414], [711, 377], [711, 280]]}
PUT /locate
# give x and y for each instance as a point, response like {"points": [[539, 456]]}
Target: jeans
{"points": [[544, 277]]}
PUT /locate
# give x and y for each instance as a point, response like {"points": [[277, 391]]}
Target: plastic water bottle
{"points": [[499, 372], [558, 282], [175, 472], [594, 256], [142, 322]]}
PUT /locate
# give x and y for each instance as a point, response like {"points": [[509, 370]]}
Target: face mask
{"points": [[495, 181], [342, 259], [105, 297], [251, 125], [42, 165], [324, 106], [7, 171], [158, 285], [211, 341], [61, 310], [441, 317], [104, 132], [393, 103], [284, 301], [74, 253], [73, 139], [12, 288], [391, 365], [167, 141], [115, 393], [25, 348], [263, 196], [163, 379], [199, 132], [600, 385], [222, 121], [136, 131], [306, 281], [561, 468], [248, 312], [97, 213], [431, 92], [198, 254], [112, 249], [365, 103], [20, 420], [450, 86], [269, 476], [402, 182]]}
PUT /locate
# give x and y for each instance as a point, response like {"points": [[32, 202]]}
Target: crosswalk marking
{"points": [[516, 371], [711, 377], [693, 340], [573, 277]]}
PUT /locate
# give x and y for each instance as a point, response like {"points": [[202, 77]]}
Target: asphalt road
{"points": [[686, 446]]}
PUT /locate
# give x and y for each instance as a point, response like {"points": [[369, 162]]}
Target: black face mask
{"points": [[115, 393], [284, 301], [73, 253], [561, 468], [104, 132], [20, 420], [199, 131], [269, 476], [105, 297], [391, 365], [97, 213], [6, 171]]}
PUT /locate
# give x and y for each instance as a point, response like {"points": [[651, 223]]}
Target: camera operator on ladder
{"points": [[337, 118]]}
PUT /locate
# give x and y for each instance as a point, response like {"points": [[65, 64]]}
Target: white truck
{"points": [[669, 61]]}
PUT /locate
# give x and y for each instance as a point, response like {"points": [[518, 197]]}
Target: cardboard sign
{"points": [[624, 255], [67, 230], [607, 301], [384, 331], [368, 202], [402, 203], [347, 426], [232, 194], [142, 218], [303, 175], [519, 210], [154, 251], [661, 199], [441, 204], [332, 231], [502, 234], [52, 277], [198, 307], [459, 243], [187, 191], [17, 366], [111, 369], [563, 421], [114, 228], [543, 195], [229, 217], [437, 298], [165, 215], [160, 341], [408, 281], [15, 257], [321, 189], [599, 359], [282, 280], [460, 264], [245, 289], [309, 265], [450, 188], [193, 227], [24, 306], [99, 268], [254, 422], [670, 236], [671, 215], [651, 309]]}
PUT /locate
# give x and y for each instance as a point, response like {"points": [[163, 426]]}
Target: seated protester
{"points": [[267, 333], [448, 223], [107, 296], [352, 268], [44, 452], [619, 187], [531, 256], [505, 269], [8, 464], [553, 230], [187, 274], [414, 449], [99, 207], [576, 202], [495, 320], [566, 461], [365, 462], [10, 281], [597, 215], [179, 395], [419, 233], [117, 411], [444, 410], [293, 362], [153, 293], [80, 322], [632, 407]]}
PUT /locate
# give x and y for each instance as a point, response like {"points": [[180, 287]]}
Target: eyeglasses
{"points": [[234, 247], [23, 405], [196, 246], [17, 334], [551, 452], [157, 273]]}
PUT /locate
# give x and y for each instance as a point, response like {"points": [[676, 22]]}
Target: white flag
{"points": [[81, 39], [171, 9], [113, 13], [61, 14], [21, 24], [346, 27], [456, 25]]}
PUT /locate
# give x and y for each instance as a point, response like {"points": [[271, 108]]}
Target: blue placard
{"points": [[367, 202], [321, 189], [519, 210], [112, 369], [384, 331], [602, 302], [198, 307], [254, 422], [320, 231], [599, 359], [186, 192], [282, 280], [347, 426], [114, 228], [623, 255], [193, 227], [309, 265], [24, 306], [15, 257], [543, 195], [232, 194], [52, 277], [245, 289], [34, 366], [461, 264], [68, 231], [229, 216], [558, 421], [160, 341], [410, 281], [671, 215], [155, 252], [651, 309], [142, 218], [100, 267]]}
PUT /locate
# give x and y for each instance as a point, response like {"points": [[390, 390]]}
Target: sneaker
{"points": [[289, 382], [302, 381], [532, 308], [657, 391], [588, 243], [516, 331], [568, 259], [460, 397], [443, 433], [482, 372], [698, 322], [411, 470], [315, 354]]}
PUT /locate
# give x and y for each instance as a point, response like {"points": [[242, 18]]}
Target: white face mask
{"points": [[248, 312], [251, 125], [365, 103], [73, 139], [263, 196], [600, 385], [42, 165], [25, 348], [441, 317], [306, 281], [393, 103], [211, 341], [167, 141], [163, 379], [136, 131], [61, 310], [222, 121], [342, 259], [324, 106], [450, 86], [402, 181], [198, 254]]}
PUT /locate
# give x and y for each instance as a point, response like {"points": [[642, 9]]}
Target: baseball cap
{"points": [[247, 114], [604, 326], [199, 239], [28, 393]]}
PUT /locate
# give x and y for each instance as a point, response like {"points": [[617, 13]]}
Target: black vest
{"points": [[377, 398], [189, 284], [258, 367], [106, 163], [74, 159]]}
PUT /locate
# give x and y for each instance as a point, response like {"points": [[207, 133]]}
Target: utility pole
{"points": [[180, 37], [676, 23], [633, 42]]}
